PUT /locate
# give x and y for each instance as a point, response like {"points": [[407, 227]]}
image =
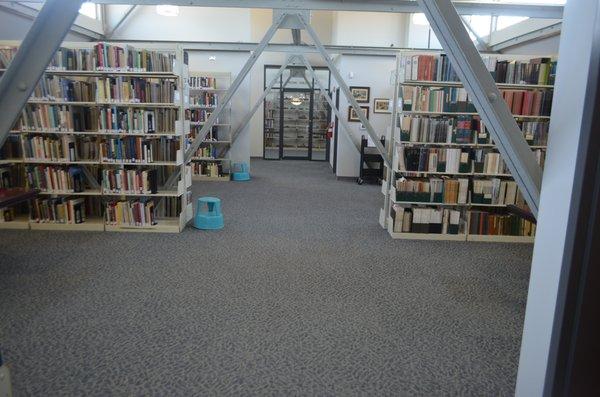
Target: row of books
{"points": [[463, 129], [426, 220], [134, 89], [59, 210], [492, 224], [131, 181], [438, 68], [110, 119], [103, 56], [56, 179], [106, 89], [63, 148], [207, 151], [202, 82], [205, 99], [494, 191], [139, 150], [456, 100], [497, 192], [10, 176], [137, 213], [55, 88], [433, 190], [11, 149], [529, 102], [208, 169], [455, 160], [199, 115]]}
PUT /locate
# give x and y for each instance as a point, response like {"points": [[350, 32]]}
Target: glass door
{"points": [[296, 117], [272, 132], [296, 105]]}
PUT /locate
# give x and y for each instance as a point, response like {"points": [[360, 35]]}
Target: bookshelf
{"points": [[448, 180], [101, 133], [211, 162]]}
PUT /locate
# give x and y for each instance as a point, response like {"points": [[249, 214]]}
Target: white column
{"points": [[537, 351]]}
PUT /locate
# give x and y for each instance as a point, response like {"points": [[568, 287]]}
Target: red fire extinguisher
{"points": [[329, 134]]}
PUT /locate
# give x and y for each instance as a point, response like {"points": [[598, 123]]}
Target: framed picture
{"points": [[352, 116], [381, 105], [361, 94]]}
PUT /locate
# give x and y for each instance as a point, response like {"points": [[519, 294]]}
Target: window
{"points": [[89, 10]]}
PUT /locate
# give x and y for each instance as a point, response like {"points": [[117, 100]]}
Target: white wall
{"points": [[14, 27], [368, 29], [192, 24], [370, 71], [547, 46]]}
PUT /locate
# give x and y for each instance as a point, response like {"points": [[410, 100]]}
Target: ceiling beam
{"points": [[396, 6], [31, 13], [548, 31]]}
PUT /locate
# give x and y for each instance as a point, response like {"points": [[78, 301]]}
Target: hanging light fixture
{"points": [[167, 10], [296, 101]]}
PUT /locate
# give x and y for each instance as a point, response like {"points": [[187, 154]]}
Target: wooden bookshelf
{"points": [[167, 57], [540, 88]]}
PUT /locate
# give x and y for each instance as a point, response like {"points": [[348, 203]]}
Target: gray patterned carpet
{"points": [[301, 294]]}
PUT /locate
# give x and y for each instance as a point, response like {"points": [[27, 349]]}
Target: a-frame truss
{"points": [[56, 16]]}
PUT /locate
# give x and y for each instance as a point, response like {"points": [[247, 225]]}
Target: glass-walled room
{"points": [[296, 115]]}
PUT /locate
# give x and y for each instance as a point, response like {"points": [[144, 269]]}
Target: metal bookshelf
{"points": [[98, 221], [388, 187], [211, 163]]}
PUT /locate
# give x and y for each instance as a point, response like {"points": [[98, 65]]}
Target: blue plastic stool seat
{"points": [[241, 172], [208, 214]]}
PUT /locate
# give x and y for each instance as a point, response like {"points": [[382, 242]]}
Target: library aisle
{"points": [[302, 293]]}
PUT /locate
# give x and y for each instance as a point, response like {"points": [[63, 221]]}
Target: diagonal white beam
{"points": [[345, 90], [212, 119], [35, 52], [484, 93], [246, 119], [334, 108]]}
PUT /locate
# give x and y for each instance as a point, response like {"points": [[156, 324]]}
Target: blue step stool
{"points": [[208, 214], [241, 172]]}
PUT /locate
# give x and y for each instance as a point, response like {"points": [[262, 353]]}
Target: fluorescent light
{"points": [[420, 19], [167, 10]]}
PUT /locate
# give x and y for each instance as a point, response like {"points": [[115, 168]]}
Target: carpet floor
{"points": [[302, 293]]}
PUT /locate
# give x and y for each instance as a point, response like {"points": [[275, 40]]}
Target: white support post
{"points": [[481, 87], [335, 110], [344, 87], [391, 144], [556, 233], [35, 52]]}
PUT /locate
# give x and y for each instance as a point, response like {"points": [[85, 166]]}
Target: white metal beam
{"points": [[246, 119], [477, 80], [120, 22], [559, 200], [35, 52], [345, 90], [31, 13], [214, 116], [538, 34], [395, 6], [326, 94]]}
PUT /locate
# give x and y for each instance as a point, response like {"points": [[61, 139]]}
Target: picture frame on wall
{"points": [[361, 94], [382, 105], [353, 117]]}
